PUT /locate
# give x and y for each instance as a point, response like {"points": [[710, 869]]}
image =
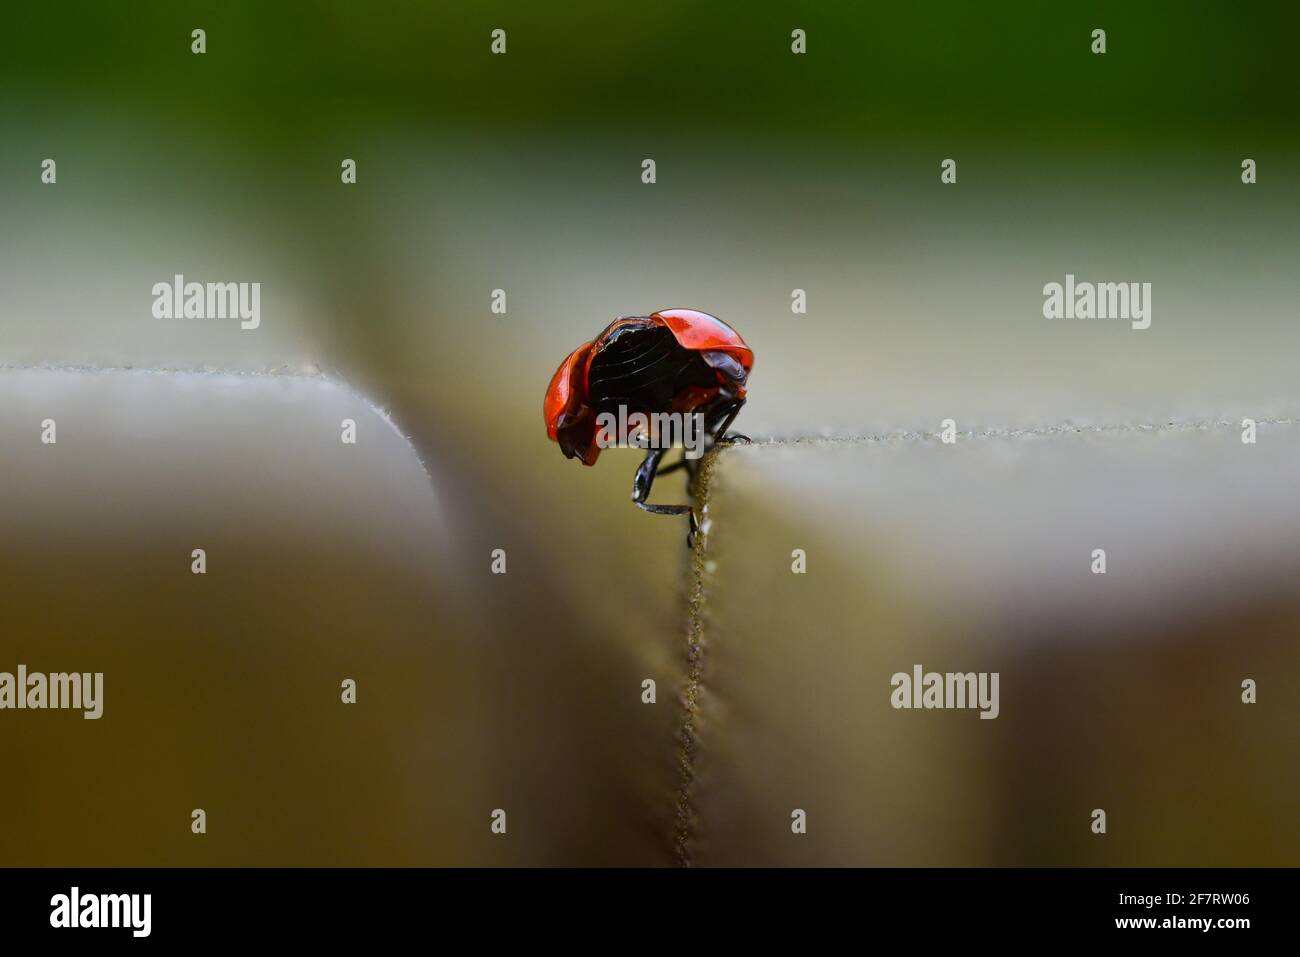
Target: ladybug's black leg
{"points": [[728, 415], [645, 479]]}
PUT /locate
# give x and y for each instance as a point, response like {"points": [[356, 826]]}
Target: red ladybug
{"points": [[678, 360]]}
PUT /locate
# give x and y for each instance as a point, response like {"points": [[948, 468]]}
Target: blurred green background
{"points": [[522, 172]]}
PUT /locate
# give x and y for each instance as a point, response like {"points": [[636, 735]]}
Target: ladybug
{"points": [[677, 360]]}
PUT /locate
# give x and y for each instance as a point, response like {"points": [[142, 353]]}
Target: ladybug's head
{"points": [[576, 435], [570, 420]]}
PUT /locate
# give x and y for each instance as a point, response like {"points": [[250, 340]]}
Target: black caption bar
{"points": [[236, 905]]}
